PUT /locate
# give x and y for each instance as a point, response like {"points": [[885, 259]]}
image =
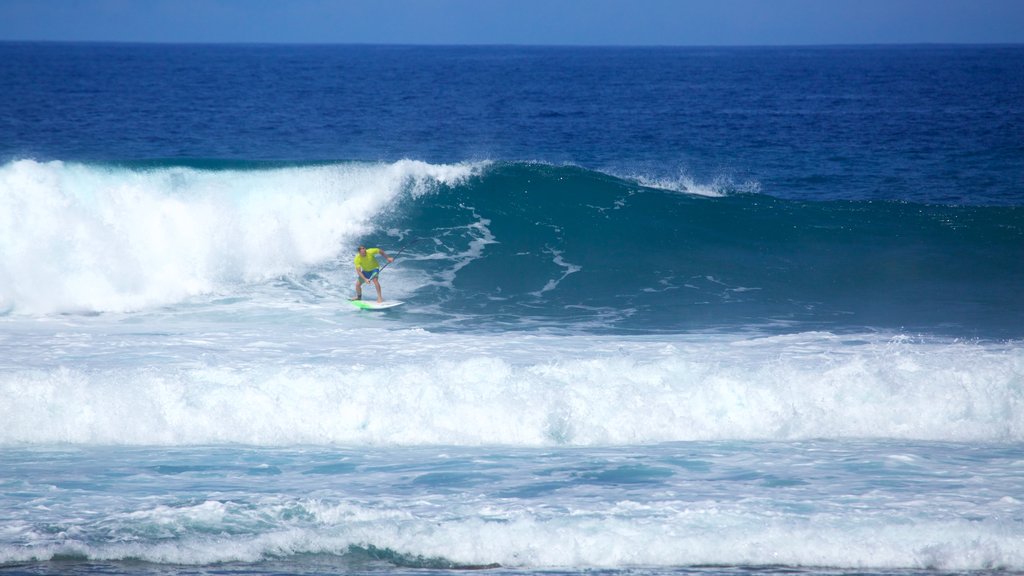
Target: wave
{"points": [[509, 244], [581, 391]]}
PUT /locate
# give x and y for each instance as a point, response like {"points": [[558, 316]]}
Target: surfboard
{"points": [[374, 305]]}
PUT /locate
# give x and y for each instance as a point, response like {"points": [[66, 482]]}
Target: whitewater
{"points": [[107, 239]]}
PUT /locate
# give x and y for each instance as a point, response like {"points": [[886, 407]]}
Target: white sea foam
{"points": [[77, 237], [418, 388]]}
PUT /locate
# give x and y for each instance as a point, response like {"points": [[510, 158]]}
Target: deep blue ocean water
{"points": [[667, 310]]}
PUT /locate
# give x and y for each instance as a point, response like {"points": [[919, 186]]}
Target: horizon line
{"points": [[509, 44]]}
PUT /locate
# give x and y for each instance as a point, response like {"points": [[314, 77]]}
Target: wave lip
{"points": [[717, 188]]}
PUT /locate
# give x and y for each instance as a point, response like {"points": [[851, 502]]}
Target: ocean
{"points": [[687, 311]]}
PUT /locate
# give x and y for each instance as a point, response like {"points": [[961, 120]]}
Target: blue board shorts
{"points": [[368, 274]]}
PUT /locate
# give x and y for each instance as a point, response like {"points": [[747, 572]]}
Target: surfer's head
{"points": [[362, 250]]}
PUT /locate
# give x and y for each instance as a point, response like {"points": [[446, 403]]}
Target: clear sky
{"points": [[548, 22]]}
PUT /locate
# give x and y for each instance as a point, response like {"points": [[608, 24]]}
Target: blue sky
{"points": [[548, 22]]}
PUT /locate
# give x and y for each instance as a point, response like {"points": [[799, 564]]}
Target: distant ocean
{"points": [[703, 311]]}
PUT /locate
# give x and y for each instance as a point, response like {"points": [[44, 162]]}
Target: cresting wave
{"points": [[108, 238], [447, 390], [127, 237]]}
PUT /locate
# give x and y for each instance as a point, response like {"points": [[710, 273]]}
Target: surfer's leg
{"points": [[359, 288], [376, 284]]}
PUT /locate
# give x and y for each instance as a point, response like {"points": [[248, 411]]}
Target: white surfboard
{"points": [[374, 305]]}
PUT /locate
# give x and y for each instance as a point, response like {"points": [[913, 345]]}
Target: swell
{"points": [[567, 244]]}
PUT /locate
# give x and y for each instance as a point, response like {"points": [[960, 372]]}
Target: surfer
{"points": [[367, 270]]}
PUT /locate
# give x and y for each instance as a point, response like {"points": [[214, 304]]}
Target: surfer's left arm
{"points": [[385, 255]]}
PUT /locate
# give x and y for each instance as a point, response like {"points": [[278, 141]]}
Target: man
{"points": [[367, 269]]}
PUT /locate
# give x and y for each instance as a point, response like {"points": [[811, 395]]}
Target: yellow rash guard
{"points": [[368, 262]]}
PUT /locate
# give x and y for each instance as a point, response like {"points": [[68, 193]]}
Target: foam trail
{"points": [[567, 267], [480, 237], [719, 187], [78, 237]]}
